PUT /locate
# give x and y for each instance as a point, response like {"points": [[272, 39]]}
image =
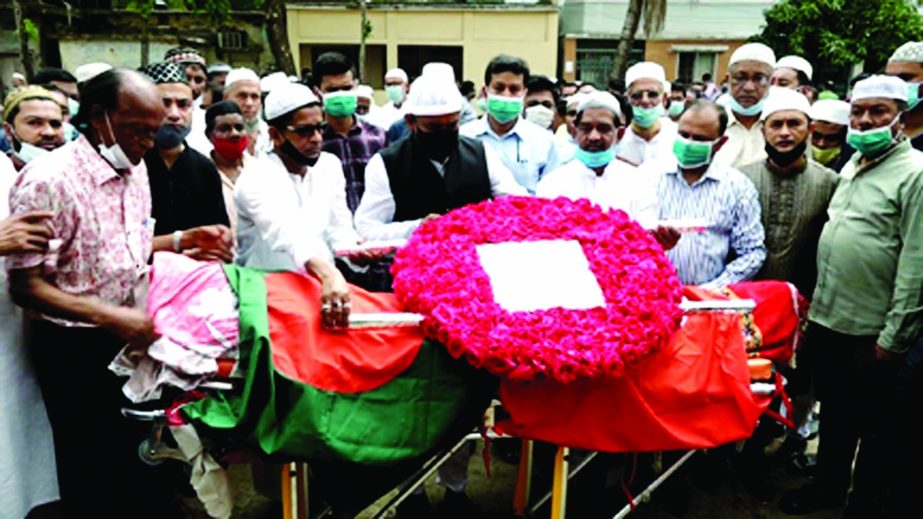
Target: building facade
{"points": [[698, 37]]}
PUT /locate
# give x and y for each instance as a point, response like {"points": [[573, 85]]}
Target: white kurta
{"points": [[28, 476], [636, 150], [284, 220], [621, 186]]}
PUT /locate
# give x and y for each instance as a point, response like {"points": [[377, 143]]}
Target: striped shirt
{"points": [[726, 199]]}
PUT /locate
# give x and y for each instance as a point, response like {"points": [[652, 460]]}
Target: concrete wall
{"points": [[667, 53], [483, 33], [116, 53]]}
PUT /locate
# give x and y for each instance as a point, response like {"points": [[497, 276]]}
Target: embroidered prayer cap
{"points": [[89, 71], [910, 51], [218, 68], [831, 111], [880, 86], [365, 92], [270, 82], [780, 99], [286, 98], [797, 63], [184, 55], [646, 70], [24, 93], [599, 99], [754, 52], [435, 93], [240, 74], [397, 73], [165, 72]]}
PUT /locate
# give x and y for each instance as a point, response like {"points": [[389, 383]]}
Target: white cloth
{"points": [[831, 111], [744, 146], [388, 114], [636, 150], [28, 477], [196, 138], [621, 186], [375, 214], [284, 220]]}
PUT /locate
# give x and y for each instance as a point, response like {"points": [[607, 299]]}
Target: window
{"points": [[232, 40], [596, 60], [411, 58], [374, 60], [692, 65]]}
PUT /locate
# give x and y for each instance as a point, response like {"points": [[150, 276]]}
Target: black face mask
{"points": [[292, 152], [438, 144], [786, 158]]}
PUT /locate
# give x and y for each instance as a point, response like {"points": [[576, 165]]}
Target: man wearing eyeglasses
{"points": [[750, 69], [291, 203], [650, 135], [186, 200]]}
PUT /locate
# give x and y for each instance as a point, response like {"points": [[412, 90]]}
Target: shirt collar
{"points": [[901, 144], [485, 128], [99, 167], [732, 120]]}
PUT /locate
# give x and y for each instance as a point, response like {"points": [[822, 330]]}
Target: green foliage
{"points": [[30, 29], [219, 11], [842, 32]]}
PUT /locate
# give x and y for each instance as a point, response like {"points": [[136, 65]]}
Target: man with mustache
{"points": [[34, 122]]}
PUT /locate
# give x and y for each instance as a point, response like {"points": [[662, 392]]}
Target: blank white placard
{"points": [[538, 275]]}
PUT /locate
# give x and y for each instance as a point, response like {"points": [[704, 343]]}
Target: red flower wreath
{"points": [[438, 274]]}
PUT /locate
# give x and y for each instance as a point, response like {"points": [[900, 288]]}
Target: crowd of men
{"points": [[106, 166]]}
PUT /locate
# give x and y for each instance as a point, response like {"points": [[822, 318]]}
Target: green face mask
{"points": [[826, 156], [676, 108], [871, 142], [692, 154], [340, 104], [395, 93], [913, 95], [504, 109], [646, 117]]}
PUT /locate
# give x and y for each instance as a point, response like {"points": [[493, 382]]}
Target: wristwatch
{"points": [[177, 241]]}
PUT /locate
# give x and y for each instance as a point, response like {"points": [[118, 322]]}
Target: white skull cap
{"points": [[434, 94], [286, 98], [600, 99], [797, 63], [646, 70], [240, 74], [397, 73], [754, 52], [888, 87], [780, 99], [831, 111], [910, 51]]}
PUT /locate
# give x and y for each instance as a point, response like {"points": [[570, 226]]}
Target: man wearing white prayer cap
{"points": [[866, 314], [396, 87], [366, 109], [242, 86], [650, 135], [750, 70], [88, 71], [18, 79], [291, 202], [907, 64], [419, 178], [793, 72], [271, 81], [828, 137]]}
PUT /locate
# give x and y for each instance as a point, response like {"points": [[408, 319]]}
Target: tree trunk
{"points": [[364, 12], [25, 55], [277, 32], [145, 43], [627, 39]]}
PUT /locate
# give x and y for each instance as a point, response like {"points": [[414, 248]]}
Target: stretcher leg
{"points": [[559, 486], [523, 480]]}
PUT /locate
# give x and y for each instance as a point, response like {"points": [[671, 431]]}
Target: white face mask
{"points": [[28, 152], [540, 115], [114, 154]]}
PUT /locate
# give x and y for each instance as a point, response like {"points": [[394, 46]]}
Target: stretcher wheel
{"points": [[148, 454]]}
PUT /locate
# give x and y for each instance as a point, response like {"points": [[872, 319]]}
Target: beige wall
{"points": [[660, 52], [528, 33]]}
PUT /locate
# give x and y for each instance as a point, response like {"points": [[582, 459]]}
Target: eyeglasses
{"points": [[641, 94], [743, 79], [307, 130], [183, 103]]}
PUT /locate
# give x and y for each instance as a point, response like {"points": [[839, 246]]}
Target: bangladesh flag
{"points": [[373, 397]]}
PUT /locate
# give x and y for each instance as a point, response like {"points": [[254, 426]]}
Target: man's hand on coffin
{"points": [[667, 237], [130, 324], [209, 243], [367, 256], [25, 232], [335, 304]]}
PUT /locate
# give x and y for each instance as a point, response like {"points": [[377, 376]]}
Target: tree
{"points": [[277, 32], [27, 31], [842, 33], [365, 29], [655, 13]]}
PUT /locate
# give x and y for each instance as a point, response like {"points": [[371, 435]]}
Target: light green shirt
{"points": [[870, 255]]}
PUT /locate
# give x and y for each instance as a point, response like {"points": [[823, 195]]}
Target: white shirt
{"points": [[284, 220], [388, 114], [527, 150], [375, 214], [743, 146], [621, 186], [636, 150]]}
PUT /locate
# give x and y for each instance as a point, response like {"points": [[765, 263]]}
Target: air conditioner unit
{"points": [[232, 40]]}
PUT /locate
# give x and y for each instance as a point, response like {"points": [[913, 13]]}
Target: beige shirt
{"points": [[744, 146]]}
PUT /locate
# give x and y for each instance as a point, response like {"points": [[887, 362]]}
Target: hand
{"points": [[210, 243], [367, 256], [131, 325], [666, 236], [430, 216], [334, 301], [884, 355], [25, 232]]}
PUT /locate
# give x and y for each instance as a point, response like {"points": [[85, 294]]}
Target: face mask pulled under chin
{"points": [[113, 153], [292, 153], [786, 158], [28, 152]]}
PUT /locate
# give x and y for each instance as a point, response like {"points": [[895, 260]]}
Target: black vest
{"points": [[418, 188]]}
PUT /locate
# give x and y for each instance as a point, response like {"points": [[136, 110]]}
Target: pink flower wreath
{"points": [[438, 274]]}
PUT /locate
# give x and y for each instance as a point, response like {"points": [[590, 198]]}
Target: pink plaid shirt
{"points": [[102, 220]]}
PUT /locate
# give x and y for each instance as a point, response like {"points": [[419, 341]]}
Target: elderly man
{"points": [[187, 203], [87, 294], [242, 86], [291, 204], [750, 70], [828, 135], [866, 311], [34, 122], [907, 64], [692, 185], [525, 149], [793, 72], [650, 135], [397, 85], [347, 138]]}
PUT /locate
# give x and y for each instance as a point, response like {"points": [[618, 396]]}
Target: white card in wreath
{"points": [[538, 275]]}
